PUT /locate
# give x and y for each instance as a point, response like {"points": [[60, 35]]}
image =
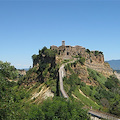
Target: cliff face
{"points": [[94, 57], [103, 68]]}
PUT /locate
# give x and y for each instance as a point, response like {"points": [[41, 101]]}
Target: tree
{"points": [[82, 60], [36, 113], [58, 108], [7, 70], [112, 82], [49, 53], [88, 51], [43, 50], [96, 53], [34, 57]]}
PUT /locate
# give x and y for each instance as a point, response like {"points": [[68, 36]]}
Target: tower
{"points": [[63, 43]]}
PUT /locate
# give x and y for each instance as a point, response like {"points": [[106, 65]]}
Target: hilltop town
{"points": [[68, 52]]}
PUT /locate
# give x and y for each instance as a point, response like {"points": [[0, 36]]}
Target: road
{"points": [[61, 76], [101, 115]]}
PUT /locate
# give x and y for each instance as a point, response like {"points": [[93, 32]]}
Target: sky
{"points": [[26, 26]]}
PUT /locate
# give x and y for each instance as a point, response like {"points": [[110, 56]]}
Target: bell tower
{"points": [[63, 43]]}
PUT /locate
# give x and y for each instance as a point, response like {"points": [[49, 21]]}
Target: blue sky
{"points": [[27, 26]]}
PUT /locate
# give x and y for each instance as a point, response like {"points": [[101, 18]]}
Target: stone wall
{"points": [[102, 68], [67, 52]]}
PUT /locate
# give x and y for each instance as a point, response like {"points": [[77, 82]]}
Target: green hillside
{"points": [[103, 95], [37, 96]]}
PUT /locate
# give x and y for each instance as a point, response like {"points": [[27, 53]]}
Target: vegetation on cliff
{"points": [[99, 92], [45, 70]]}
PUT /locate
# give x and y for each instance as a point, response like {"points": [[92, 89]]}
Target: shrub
{"points": [[34, 57], [112, 82], [96, 53], [91, 87], [101, 52], [83, 84], [88, 51], [82, 60]]}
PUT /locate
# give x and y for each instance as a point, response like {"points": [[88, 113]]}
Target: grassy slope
{"points": [[89, 91], [86, 100]]}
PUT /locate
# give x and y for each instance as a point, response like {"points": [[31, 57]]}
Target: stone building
{"points": [[67, 52]]}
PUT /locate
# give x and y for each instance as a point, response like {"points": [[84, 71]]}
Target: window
{"points": [[67, 53]]}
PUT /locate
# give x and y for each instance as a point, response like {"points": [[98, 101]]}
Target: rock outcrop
{"points": [[102, 68], [22, 72]]}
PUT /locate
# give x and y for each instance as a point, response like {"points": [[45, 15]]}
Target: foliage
{"points": [[65, 61], [68, 67], [9, 98], [34, 57], [88, 51], [82, 60], [101, 52], [85, 100], [43, 50], [96, 53], [49, 53], [13, 96], [106, 93], [112, 82], [96, 76], [72, 81], [45, 71], [58, 108], [12, 107], [7, 70], [107, 98], [115, 106]]}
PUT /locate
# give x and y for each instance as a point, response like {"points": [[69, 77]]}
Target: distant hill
{"points": [[26, 69], [115, 64]]}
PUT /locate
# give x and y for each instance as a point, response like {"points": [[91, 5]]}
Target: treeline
{"points": [[7, 71], [58, 109]]}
